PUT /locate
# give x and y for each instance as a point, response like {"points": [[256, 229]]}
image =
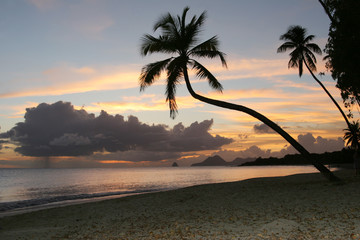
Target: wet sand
{"points": [[304, 206]]}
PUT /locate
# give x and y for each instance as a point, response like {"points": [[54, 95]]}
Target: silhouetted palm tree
{"points": [[352, 135], [180, 40], [352, 138], [302, 53]]}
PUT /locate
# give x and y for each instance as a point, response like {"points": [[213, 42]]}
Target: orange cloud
{"points": [[66, 79], [248, 94], [18, 111], [142, 103], [85, 70], [188, 156], [250, 68], [127, 106]]}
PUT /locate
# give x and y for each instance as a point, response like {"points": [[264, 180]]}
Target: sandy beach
{"points": [[304, 206]]}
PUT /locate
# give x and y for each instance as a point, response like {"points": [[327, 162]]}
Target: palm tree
{"points": [[352, 135], [352, 138], [180, 40], [302, 53]]}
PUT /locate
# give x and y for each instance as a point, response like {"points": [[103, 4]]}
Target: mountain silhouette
{"points": [[219, 161], [212, 161]]}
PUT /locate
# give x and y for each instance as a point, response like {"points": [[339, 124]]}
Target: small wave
{"points": [[9, 206]]}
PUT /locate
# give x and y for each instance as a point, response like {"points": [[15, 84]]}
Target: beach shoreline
{"points": [[302, 206], [43, 188], [23, 210]]}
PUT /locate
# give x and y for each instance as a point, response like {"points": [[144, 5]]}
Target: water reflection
{"points": [[27, 184]]}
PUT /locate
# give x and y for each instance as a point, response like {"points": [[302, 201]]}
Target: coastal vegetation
{"points": [[180, 40], [338, 158], [343, 53]]}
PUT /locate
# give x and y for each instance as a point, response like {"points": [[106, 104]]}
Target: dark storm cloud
{"points": [[262, 128], [60, 130], [195, 137]]}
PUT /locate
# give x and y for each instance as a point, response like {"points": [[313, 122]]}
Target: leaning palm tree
{"points": [[180, 40], [302, 53]]}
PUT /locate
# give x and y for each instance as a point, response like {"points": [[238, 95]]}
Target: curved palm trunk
{"points": [[326, 172], [327, 92]]}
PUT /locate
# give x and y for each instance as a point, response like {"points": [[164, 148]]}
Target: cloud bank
{"points": [[60, 130], [262, 128], [308, 141], [319, 144]]}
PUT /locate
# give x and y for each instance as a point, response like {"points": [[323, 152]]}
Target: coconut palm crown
{"points": [[352, 135], [179, 39], [302, 48]]}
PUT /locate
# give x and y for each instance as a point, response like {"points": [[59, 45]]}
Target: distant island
{"points": [[212, 161], [219, 161], [344, 156], [174, 164]]}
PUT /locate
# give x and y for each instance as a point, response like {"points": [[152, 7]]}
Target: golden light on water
{"points": [[115, 162]]}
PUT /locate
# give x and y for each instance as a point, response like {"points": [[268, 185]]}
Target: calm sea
{"points": [[34, 188]]}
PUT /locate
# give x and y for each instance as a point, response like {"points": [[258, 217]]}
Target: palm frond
{"points": [[296, 60], [310, 60], [210, 44], [151, 44], [169, 26], [293, 63], [209, 49], [211, 54], [164, 21], [151, 72], [201, 19], [203, 72], [170, 98], [174, 72], [193, 29], [314, 48], [286, 36], [308, 38], [296, 63], [183, 19], [285, 47]]}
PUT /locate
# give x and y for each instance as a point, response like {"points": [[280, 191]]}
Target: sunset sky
{"points": [[85, 53]]}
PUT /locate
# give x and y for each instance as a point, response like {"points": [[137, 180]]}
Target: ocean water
{"points": [[31, 188]]}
